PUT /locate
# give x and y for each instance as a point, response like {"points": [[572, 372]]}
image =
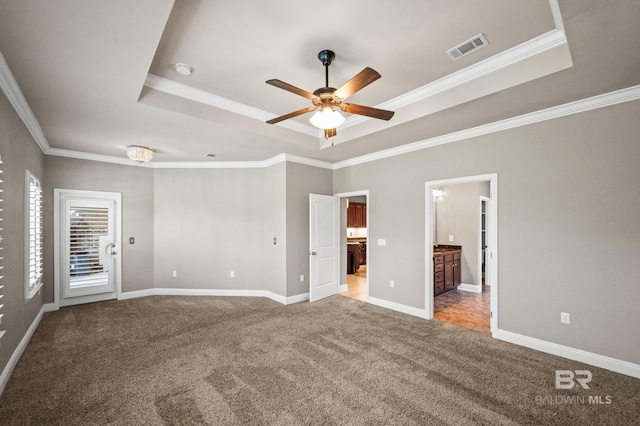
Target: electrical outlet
{"points": [[392, 284], [232, 274], [450, 238], [301, 278], [565, 318], [175, 274]]}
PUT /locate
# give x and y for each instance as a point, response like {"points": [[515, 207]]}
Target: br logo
{"points": [[566, 379]]}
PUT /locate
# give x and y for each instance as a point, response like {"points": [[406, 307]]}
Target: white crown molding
{"points": [[522, 52], [308, 161], [517, 54], [600, 101], [181, 90], [526, 50], [547, 41], [16, 99], [59, 152], [281, 158], [595, 102]]}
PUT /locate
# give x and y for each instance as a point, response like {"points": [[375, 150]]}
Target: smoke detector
{"points": [[182, 69], [471, 45]]}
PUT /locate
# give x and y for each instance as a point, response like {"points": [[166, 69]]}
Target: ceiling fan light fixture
{"points": [[327, 118], [140, 154]]}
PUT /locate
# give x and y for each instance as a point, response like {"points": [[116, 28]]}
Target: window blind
{"points": [[33, 236], [1, 251]]}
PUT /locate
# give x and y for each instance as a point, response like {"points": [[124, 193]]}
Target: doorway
{"points": [[465, 304], [87, 247], [354, 256]]}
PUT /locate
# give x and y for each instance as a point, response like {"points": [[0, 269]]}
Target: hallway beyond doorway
{"points": [[357, 285]]}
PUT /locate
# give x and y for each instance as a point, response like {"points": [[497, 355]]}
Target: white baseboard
{"points": [[17, 353], [470, 287], [297, 298], [608, 363], [409, 310], [134, 294], [214, 292]]}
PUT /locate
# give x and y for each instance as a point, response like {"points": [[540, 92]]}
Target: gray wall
{"points": [[569, 238], [19, 152], [275, 226], [301, 181], [207, 223], [568, 233]]}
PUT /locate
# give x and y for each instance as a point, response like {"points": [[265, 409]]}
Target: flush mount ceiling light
{"points": [[182, 69], [140, 154]]}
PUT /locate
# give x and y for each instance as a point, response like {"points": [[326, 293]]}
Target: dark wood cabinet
{"points": [[351, 216], [457, 269], [357, 215], [438, 274], [447, 271]]}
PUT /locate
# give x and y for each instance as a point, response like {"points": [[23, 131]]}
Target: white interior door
{"points": [[88, 246], [323, 246]]}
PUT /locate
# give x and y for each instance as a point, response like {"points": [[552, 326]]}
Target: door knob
{"points": [[110, 246]]}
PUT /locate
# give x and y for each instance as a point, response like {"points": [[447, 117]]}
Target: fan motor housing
{"points": [[325, 96]]}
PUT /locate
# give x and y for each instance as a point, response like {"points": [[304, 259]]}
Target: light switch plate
{"points": [[382, 242]]}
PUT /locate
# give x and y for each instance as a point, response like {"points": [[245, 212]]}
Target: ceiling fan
{"points": [[327, 99]]}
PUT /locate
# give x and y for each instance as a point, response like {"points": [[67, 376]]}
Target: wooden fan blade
{"points": [[293, 89], [362, 79], [328, 133], [382, 114], [291, 115]]}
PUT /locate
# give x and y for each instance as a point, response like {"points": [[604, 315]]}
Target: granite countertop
{"points": [[441, 248]]}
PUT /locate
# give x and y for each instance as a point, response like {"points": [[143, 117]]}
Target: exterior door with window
{"points": [[88, 246]]}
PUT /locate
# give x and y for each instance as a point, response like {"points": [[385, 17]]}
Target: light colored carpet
{"points": [[229, 360]]}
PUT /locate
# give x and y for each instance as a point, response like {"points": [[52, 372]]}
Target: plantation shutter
{"points": [[1, 252], [87, 230], [33, 235]]}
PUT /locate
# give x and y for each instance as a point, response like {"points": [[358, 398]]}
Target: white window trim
{"points": [[33, 247]]}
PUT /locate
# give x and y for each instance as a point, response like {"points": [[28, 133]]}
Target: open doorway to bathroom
{"points": [[462, 251]]}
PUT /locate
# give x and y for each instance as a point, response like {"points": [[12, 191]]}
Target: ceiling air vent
{"points": [[468, 46]]}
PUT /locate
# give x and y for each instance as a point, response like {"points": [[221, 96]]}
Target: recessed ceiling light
{"points": [[182, 69]]}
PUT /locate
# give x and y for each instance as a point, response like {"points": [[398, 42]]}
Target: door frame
{"points": [[343, 226], [58, 223], [492, 240], [487, 228]]}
